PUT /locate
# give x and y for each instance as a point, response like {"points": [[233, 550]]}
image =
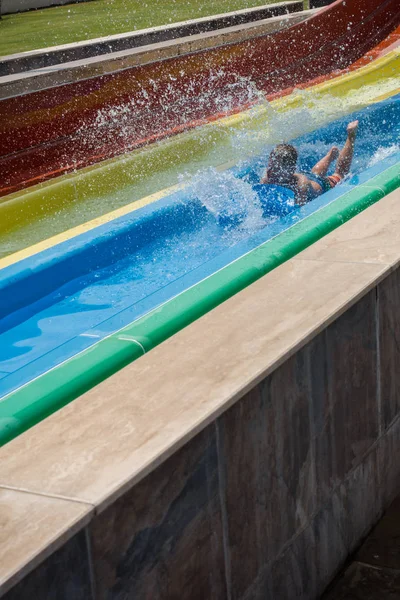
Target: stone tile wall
{"points": [[65, 575], [267, 501]]}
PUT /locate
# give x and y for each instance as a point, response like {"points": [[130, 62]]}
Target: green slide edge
{"points": [[41, 397]]}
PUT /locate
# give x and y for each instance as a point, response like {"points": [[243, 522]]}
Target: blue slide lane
{"points": [[57, 303]]}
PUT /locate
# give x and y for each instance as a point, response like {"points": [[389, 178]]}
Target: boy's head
{"points": [[282, 163]]}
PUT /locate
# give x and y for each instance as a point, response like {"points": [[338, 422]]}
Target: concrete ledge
{"points": [[46, 57], [227, 457]]}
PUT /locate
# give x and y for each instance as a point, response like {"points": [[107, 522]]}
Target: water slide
{"points": [[27, 217], [80, 305], [45, 132]]}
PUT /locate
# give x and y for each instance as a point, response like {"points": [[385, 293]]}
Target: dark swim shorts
{"points": [[327, 183]]}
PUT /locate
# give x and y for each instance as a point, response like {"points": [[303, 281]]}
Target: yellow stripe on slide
{"points": [[75, 231]]}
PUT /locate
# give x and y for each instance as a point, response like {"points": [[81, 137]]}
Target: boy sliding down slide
{"points": [[281, 169]]}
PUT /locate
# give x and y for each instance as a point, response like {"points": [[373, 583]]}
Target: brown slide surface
{"points": [[46, 133]]}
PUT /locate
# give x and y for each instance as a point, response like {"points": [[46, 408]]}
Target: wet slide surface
{"points": [[45, 133], [125, 182], [76, 312], [64, 300]]}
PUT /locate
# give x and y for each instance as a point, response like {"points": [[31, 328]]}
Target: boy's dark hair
{"points": [[282, 163]]}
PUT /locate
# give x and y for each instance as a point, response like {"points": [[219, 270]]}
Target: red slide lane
{"points": [[46, 133]]}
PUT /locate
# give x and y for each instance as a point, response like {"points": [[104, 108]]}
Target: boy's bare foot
{"points": [[352, 129]]}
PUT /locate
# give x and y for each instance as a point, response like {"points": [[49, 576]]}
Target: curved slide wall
{"points": [[58, 129]]}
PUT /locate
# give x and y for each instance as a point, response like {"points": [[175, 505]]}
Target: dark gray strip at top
{"points": [[37, 59]]}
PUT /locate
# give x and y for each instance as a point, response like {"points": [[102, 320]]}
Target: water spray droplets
{"points": [[232, 201]]}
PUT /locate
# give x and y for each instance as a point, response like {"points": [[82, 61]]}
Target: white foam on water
{"points": [[382, 153]]}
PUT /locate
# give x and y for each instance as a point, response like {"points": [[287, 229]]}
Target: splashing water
{"points": [[248, 136], [309, 109], [232, 201], [382, 153]]}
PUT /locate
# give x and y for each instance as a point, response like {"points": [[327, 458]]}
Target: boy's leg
{"points": [[322, 166], [346, 155]]}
